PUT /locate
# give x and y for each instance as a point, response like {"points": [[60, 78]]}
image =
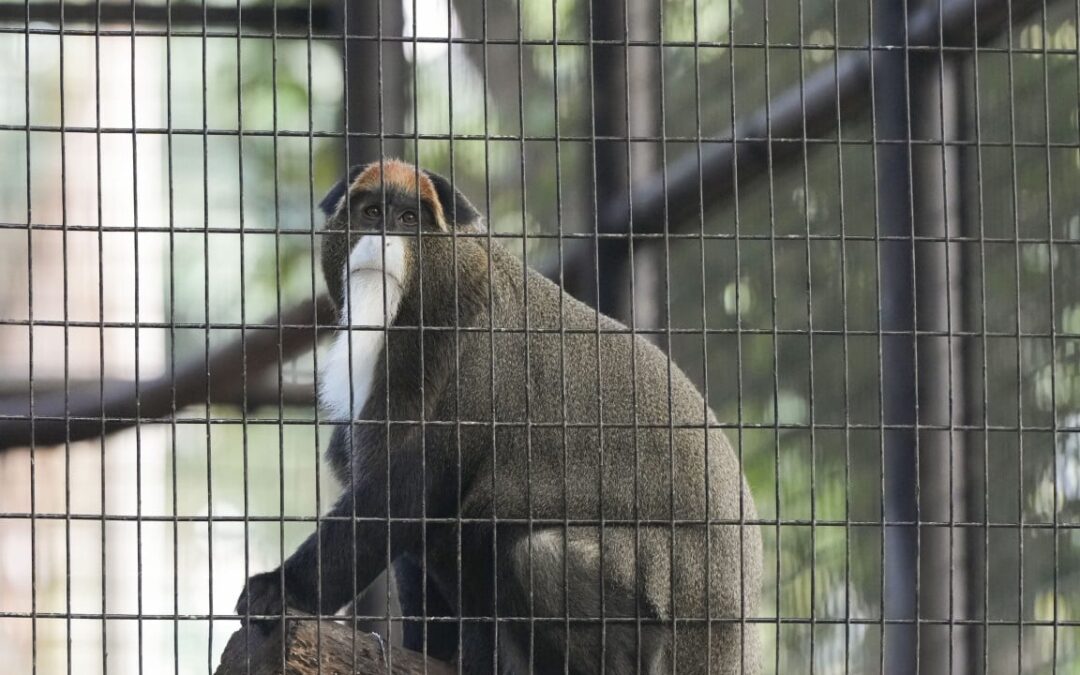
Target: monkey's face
{"points": [[381, 229], [376, 218]]}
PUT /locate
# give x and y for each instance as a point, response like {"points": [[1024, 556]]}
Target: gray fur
{"points": [[564, 446]]}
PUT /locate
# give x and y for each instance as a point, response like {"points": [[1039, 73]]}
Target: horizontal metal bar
{"points": [[547, 522], [724, 139], [561, 236], [290, 30], [334, 328], [196, 420], [561, 620]]}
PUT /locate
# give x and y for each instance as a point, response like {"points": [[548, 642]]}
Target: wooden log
{"points": [[306, 646]]}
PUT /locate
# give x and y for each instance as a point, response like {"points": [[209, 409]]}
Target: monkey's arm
{"points": [[335, 563], [319, 576]]}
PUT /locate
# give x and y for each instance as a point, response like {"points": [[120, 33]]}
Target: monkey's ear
{"points": [[458, 209], [329, 203]]}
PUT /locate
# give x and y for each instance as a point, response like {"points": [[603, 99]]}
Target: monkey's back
{"points": [[578, 419], [575, 397]]}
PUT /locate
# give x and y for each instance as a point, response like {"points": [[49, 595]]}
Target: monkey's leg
{"points": [[573, 609], [412, 583]]}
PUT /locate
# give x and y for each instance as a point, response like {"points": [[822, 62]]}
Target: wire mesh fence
{"points": [[854, 227]]}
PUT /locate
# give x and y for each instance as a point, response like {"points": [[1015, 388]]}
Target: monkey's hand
{"points": [[262, 599]]}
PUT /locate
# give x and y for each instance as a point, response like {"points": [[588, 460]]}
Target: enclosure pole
{"points": [[625, 91], [602, 283], [375, 75], [941, 381], [897, 322], [644, 101]]}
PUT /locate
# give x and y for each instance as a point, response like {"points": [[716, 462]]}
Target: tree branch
{"points": [[78, 414], [773, 135], [262, 18], [259, 394]]}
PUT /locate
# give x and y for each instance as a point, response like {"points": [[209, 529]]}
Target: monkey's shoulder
{"points": [[575, 353]]}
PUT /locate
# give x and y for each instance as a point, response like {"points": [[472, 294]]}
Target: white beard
{"points": [[347, 373]]}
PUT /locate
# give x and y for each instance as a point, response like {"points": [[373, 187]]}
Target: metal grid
{"points": [[909, 426]]}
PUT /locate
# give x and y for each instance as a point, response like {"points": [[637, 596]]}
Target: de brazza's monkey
{"points": [[564, 470]]}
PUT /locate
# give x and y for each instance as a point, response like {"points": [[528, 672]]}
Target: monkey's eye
{"points": [[408, 217], [373, 211]]}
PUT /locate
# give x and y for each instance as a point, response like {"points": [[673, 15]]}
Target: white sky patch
{"points": [[431, 21]]}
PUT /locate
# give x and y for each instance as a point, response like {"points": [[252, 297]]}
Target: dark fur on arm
{"points": [[337, 561]]}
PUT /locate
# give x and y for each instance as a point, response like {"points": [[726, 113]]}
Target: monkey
{"points": [[556, 490]]}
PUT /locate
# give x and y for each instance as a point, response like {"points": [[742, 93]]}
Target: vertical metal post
{"points": [[625, 98], [644, 101], [897, 323], [941, 382], [609, 113], [375, 72], [916, 97]]}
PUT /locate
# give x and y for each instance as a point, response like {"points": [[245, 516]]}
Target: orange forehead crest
{"points": [[402, 176]]}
